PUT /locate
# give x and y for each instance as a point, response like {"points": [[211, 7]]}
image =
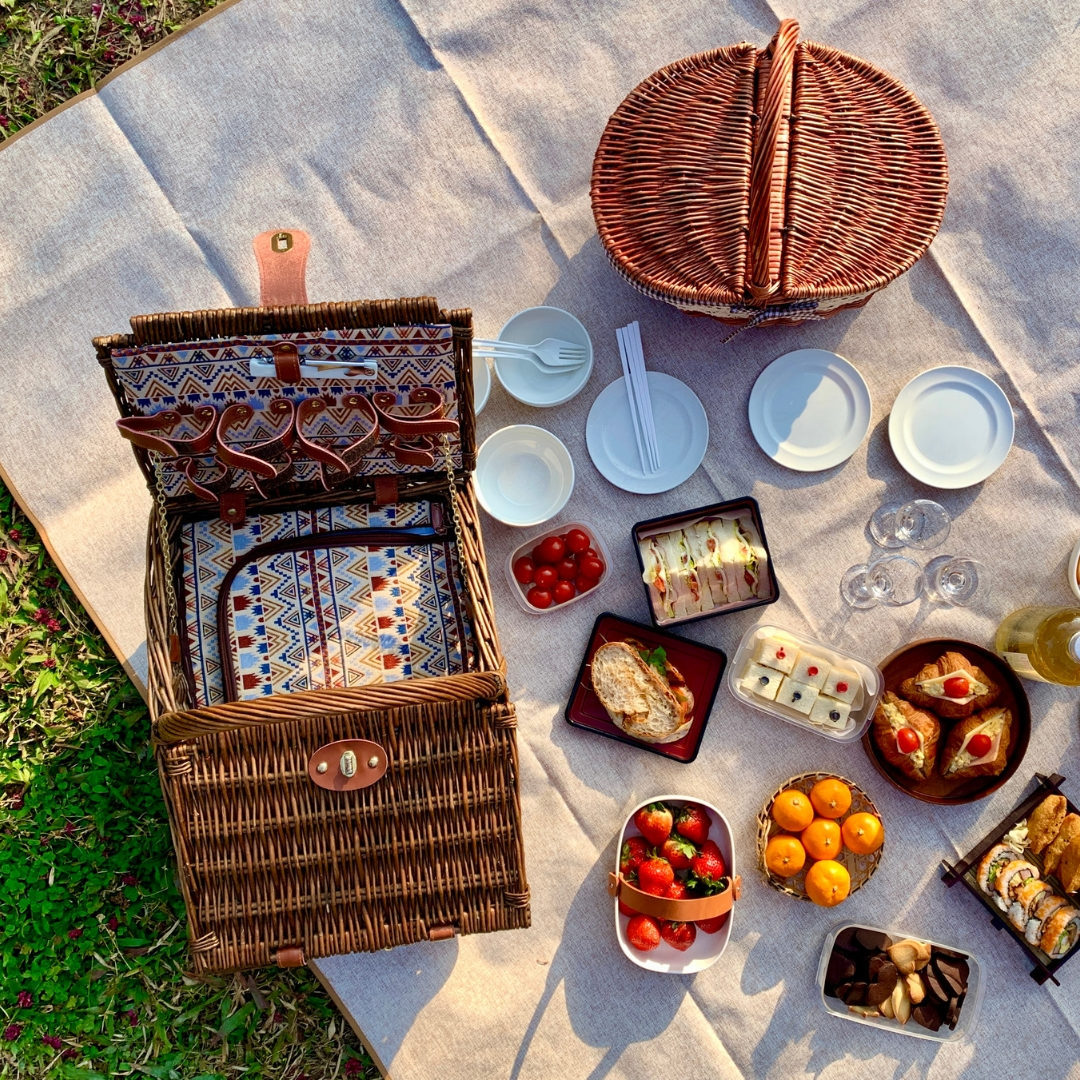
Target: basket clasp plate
{"points": [[347, 765]]}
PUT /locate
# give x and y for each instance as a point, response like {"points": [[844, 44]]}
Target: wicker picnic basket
{"points": [[768, 186], [358, 813]]}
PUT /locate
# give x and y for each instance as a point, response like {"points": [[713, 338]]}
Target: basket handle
{"points": [[770, 158]]}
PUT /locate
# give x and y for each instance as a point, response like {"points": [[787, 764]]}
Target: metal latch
{"points": [[347, 765]]}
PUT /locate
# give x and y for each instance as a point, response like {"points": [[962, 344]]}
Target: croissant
{"points": [[953, 687], [922, 729], [994, 728]]}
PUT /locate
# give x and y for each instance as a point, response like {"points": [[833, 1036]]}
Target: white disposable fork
{"points": [[549, 353]]}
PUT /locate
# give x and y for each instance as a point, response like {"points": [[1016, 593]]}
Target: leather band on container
{"points": [[659, 907]]}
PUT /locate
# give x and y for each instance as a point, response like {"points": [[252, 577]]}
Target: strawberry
{"points": [[655, 875], [692, 822], [713, 925], [679, 935], [654, 822], [635, 851], [624, 909], [677, 890], [643, 932], [678, 852], [707, 870]]}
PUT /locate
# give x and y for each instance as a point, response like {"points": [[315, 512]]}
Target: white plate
{"points": [[524, 475], [810, 410], [481, 383], [951, 427], [521, 379], [682, 433]]}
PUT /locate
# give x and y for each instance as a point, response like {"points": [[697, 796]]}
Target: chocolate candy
{"points": [[872, 940], [841, 970], [927, 1015]]}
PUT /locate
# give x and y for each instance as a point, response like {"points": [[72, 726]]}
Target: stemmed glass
{"points": [[892, 580], [954, 579], [920, 523]]}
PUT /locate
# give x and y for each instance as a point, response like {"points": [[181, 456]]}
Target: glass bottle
{"points": [[1042, 643]]}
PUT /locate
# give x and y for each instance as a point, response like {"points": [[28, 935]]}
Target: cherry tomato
{"points": [[545, 577], [979, 745], [957, 686], [540, 598], [577, 540], [567, 569], [564, 591], [590, 550], [549, 551], [907, 740], [591, 566], [584, 584], [524, 569]]}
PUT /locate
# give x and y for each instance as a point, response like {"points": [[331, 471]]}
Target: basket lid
{"points": [[750, 178]]}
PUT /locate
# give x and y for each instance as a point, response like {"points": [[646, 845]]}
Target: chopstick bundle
{"points": [[637, 393]]}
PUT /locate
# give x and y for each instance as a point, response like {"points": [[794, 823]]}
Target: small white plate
{"points": [[810, 410], [951, 427], [481, 375], [524, 475], [682, 433], [521, 379]]}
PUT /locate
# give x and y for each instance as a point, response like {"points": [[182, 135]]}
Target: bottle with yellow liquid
{"points": [[1042, 643]]}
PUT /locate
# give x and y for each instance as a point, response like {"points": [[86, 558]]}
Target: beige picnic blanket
{"points": [[445, 149]]}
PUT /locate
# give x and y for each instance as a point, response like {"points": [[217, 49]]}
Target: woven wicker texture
{"points": [[860, 867], [738, 179]]}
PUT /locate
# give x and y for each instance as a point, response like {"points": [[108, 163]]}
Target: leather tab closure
{"points": [[232, 507], [290, 956], [689, 910], [282, 258], [347, 765], [286, 361], [386, 490]]}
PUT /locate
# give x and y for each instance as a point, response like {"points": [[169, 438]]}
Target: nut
{"points": [[916, 987], [909, 955]]}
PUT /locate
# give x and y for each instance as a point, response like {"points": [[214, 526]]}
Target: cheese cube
{"points": [[797, 695], [777, 652], [842, 685], [760, 680], [811, 670], [830, 713]]}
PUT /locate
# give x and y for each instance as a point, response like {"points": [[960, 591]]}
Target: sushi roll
{"points": [[797, 696], [829, 713], [1028, 898], [1009, 879], [811, 670], [991, 863], [1060, 932], [760, 680], [1043, 910]]}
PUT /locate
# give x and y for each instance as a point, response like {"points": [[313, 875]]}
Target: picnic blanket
{"points": [[445, 150]]}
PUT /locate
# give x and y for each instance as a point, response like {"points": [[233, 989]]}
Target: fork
{"points": [[547, 355]]}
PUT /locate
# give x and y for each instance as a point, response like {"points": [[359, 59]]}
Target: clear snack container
{"points": [[526, 548], [969, 1007], [852, 726]]}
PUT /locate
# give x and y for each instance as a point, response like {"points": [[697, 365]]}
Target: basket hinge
{"points": [[290, 956]]}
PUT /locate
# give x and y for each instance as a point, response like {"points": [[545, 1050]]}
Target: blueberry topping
{"points": [[834, 715], [764, 680], [797, 696]]}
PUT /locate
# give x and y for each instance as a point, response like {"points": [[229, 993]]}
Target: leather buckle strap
{"points": [[172, 432], [267, 459], [204, 480], [411, 440], [319, 421]]}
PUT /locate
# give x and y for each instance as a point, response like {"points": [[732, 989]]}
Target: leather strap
{"points": [[659, 907], [337, 465], [269, 461], [155, 432], [387, 490], [286, 361], [205, 481], [282, 258], [411, 441]]}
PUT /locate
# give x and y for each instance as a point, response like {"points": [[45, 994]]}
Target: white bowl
{"points": [[1074, 570], [481, 383], [521, 379], [524, 475]]}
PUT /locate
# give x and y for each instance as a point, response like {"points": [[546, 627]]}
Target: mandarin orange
{"points": [[784, 855], [827, 883], [831, 797], [822, 839], [863, 833], [792, 810]]}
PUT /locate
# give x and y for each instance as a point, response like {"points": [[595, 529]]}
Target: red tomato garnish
{"points": [[584, 584], [564, 591], [545, 577], [577, 540], [549, 551], [979, 745], [841, 687], [567, 569], [957, 686], [540, 598], [591, 566], [907, 740], [524, 568]]}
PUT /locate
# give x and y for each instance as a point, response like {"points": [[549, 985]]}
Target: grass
{"points": [[93, 943]]}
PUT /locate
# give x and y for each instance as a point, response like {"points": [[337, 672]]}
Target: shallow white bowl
{"points": [[521, 379], [524, 475], [481, 383]]}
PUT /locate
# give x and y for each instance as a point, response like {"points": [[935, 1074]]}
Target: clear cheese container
{"points": [[805, 683]]}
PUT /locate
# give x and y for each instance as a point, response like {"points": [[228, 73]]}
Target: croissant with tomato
{"points": [[978, 745], [952, 686], [906, 737]]}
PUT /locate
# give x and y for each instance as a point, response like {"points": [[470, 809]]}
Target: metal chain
{"points": [[455, 521], [163, 540]]}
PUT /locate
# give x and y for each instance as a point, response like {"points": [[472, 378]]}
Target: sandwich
{"points": [[977, 745], [906, 737], [952, 686], [643, 693]]}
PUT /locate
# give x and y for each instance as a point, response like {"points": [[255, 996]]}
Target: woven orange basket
{"points": [[768, 186]]}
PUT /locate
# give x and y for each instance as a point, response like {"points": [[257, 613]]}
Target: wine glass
{"points": [[893, 580], [954, 579], [920, 523]]}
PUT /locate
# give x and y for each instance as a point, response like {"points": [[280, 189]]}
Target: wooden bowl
{"points": [[904, 664]]}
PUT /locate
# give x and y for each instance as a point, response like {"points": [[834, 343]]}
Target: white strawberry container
{"points": [[707, 948]]}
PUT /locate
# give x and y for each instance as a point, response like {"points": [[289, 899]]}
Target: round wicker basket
{"points": [[776, 185], [860, 867]]}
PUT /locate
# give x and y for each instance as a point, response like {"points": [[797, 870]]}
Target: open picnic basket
{"points": [[772, 186], [334, 737]]}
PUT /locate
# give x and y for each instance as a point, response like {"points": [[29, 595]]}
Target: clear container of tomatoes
{"points": [[557, 567]]}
